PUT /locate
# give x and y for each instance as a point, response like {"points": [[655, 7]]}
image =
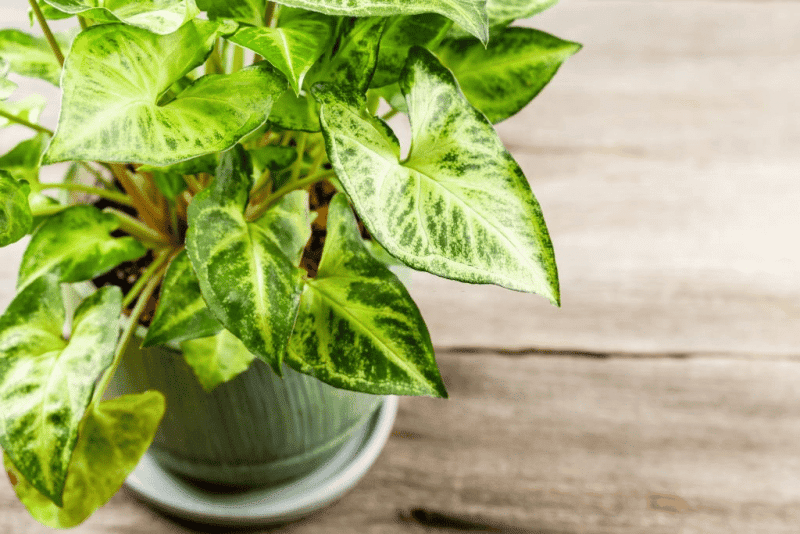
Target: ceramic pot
{"points": [[256, 430]]}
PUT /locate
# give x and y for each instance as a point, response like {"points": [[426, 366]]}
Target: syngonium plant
{"points": [[213, 147]]}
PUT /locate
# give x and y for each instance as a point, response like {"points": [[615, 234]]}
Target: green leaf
{"points": [[158, 16], [29, 109], [206, 163], [293, 112], [171, 184], [247, 11], [22, 161], [7, 87], [15, 213], [181, 312], [355, 60], [459, 205], [502, 78], [469, 14], [503, 12], [401, 34], [110, 110], [358, 328], [274, 158], [113, 438], [31, 56], [246, 270], [292, 47], [76, 245], [216, 359], [46, 383]]}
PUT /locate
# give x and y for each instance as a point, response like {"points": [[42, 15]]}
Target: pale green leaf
{"points": [[157, 16], [114, 436], [181, 312], [29, 109], [459, 206], [502, 78], [401, 34], [292, 47], [505, 11], [15, 213], [358, 328], [248, 11], [31, 56], [469, 14], [7, 87], [22, 161], [245, 269], [216, 359], [76, 244], [46, 383], [112, 113]]}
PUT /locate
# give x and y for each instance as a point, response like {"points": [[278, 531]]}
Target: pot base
{"points": [[279, 503]]}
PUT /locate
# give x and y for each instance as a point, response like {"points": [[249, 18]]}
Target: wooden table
{"points": [[663, 396]]}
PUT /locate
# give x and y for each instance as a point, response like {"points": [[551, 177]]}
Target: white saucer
{"points": [[276, 504]]}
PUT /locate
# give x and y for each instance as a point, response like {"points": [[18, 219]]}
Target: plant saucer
{"points": [[281, 503]]}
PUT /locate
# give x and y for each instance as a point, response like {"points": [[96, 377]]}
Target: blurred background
{"points": [[663, 395]]}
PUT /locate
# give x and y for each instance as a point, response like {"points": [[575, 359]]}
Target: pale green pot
{"points": [[258, 429]]}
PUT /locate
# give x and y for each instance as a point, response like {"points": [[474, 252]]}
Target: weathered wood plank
{"points": [[566, 445]]}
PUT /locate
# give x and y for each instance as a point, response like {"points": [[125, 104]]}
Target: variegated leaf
{"points": [[181, 312], [114, 77], [15, 213], [293, 112], [76, 244], [401, 34], [248, 271], [31, 56], [7, 87], [469, 14], [216, 359], [358, 328], [158, 16], [29, 109], [355, 60], [114, 436], [47, 383], [248, 11], [22, 161], [272, 157], [501, 78], [506, 11], [459, 205], [292, 47]]}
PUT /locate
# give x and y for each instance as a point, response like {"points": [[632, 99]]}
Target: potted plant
{"points": [[233, 186]]}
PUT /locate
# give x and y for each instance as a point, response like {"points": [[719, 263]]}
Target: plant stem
{"points": [[137, 229], [259, 210], [20, 120], [238, 58], [82, 22], [146, 276], [298, 163], [269, 13], [318, 160], [44, 211], [389, 114], [116, 196], [47, 33], [125, 340], [146, 209], [98, 176]]}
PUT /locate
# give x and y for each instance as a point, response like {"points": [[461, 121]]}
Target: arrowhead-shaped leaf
{"points": [[46, 383], [29, 109], [354, 62], [459, 206], [401, 34], [22, 161], [181, 312], [292, 112], [76, 244], [158, 16], [248, 271], [216, 359], [358, 328], [31, 56], [248, 11], [469, 14], [114, 77], [503, 77], [292, 47], [113, 438], [15, 213]]}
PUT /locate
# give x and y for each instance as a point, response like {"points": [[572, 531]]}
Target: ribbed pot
{"points": [[257, 429]]}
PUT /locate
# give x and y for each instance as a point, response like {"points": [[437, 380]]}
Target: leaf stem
{"points": [[135, 228], [20, 120], [259, 210], [127, 334], [269, 14], [44, 211], [298, 163], [98, 175], [82, 22], [145, 277], [389, 114], [116, 196], [146, 209], [47, 33]]}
